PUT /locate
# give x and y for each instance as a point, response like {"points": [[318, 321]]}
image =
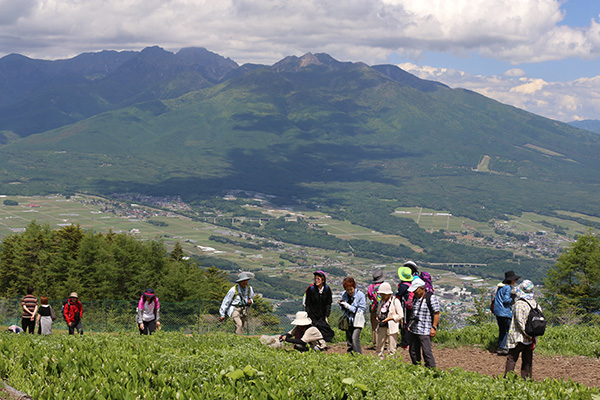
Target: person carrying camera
{"points": [[389, 318], [423, 323]]}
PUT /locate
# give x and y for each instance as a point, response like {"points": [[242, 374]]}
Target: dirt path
{"points": [[579, 369]]}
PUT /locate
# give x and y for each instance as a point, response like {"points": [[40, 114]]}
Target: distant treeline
{"points": [[101, 266]]}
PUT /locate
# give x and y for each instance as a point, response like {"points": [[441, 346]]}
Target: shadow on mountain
{"points": [[279, 170]]}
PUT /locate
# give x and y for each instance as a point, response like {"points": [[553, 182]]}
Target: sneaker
{"points": [[502, 352]]}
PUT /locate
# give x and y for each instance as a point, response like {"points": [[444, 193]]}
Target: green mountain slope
{"points": [[325, 132]]}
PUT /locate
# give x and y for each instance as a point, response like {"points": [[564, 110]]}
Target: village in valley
{"points": [[203, 233]]}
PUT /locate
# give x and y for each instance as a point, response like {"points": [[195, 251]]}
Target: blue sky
{"points": [[539, 55]]}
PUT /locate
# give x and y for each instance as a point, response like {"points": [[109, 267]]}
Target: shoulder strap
{"points": [[428, 300], [530, 306]]}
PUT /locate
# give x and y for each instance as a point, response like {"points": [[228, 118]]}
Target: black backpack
{"points": [[536, 323]]}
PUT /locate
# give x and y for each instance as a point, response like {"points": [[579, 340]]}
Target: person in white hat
{"points": [[423, 323], [73, 312], [389, 316], [304, 335], [237, 301]]}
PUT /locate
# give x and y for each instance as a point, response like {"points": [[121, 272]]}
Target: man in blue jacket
{"points": [[503, 302]]}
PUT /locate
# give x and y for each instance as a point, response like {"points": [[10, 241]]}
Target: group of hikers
{"points": [[42, 315], [411, 313], [407, 317]]}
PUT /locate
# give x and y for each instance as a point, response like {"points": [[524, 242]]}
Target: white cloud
{"points": [[563, 101], [267, 30]]}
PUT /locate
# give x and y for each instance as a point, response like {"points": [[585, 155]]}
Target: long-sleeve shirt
{"points": [[516, 333], [503, 302], [236, 297], [318, 302], [359, 304]]}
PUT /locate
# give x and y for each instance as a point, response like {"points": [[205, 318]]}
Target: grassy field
{"points": [[434, 220]]}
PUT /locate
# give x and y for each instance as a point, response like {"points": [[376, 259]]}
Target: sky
{"points": [[539, 55]]}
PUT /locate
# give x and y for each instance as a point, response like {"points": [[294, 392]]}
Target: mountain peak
{"points": [[308, 60]]}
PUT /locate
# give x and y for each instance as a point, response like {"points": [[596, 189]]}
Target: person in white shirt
{"points": [[237, 302]]}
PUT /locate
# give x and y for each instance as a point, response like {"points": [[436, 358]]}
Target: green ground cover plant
{"points": [[176, 366]]}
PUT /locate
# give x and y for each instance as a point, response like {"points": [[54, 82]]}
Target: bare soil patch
{"points": [[579, 369]]}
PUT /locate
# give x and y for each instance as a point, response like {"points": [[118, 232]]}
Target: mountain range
{"points": [[307, 129]]}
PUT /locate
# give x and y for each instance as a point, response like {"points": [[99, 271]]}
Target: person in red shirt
{"points": [[73, 312]]}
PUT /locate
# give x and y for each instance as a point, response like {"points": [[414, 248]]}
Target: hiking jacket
{"points": [[503, 301], [73, 312], [139, 318], [318, 304], [359, 304]]}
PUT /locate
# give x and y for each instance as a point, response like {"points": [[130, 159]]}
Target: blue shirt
{"points": [[359, 303], [503, 302]]}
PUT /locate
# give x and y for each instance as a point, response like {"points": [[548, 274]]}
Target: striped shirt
{"points": [[29, 301], [425, 318]]}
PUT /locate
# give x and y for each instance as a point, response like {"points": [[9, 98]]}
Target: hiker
{"points": [[304, 336], [148, 313], [317, 303], [372, 294], [29, 303], [73, 312], [406, 278], [45, 317], [423, 324], [413, 268], [237, 301], [353, 305], [518, 342], [502, 309], [389, 318]]}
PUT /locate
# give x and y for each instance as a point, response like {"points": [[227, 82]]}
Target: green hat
{"points": [[405, 274]]}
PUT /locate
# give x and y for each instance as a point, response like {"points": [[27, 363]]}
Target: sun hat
{"points": [[405, 274], [73, 295], [377, 276], [244, 276], [412, 265], [510, 276], [416, 283], [385, 288], [301, 319]]}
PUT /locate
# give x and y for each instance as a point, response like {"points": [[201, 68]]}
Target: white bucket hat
{"points": [[385, 288], [301, 319], [244, 276]]}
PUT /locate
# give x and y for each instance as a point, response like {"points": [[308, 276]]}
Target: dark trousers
{"points": [[27, 323], [149, 327], [353, 339], [526, 362], [503, 328], [420, 343], [76, 325]]}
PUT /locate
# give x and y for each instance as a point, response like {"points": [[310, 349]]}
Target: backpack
{"points": [[536, 323], [426, 277]]}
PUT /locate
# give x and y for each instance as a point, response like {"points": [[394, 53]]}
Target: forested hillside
{"points": [[101, 266]]}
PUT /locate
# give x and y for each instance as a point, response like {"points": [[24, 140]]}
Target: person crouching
{"points": [[304, 335]]}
